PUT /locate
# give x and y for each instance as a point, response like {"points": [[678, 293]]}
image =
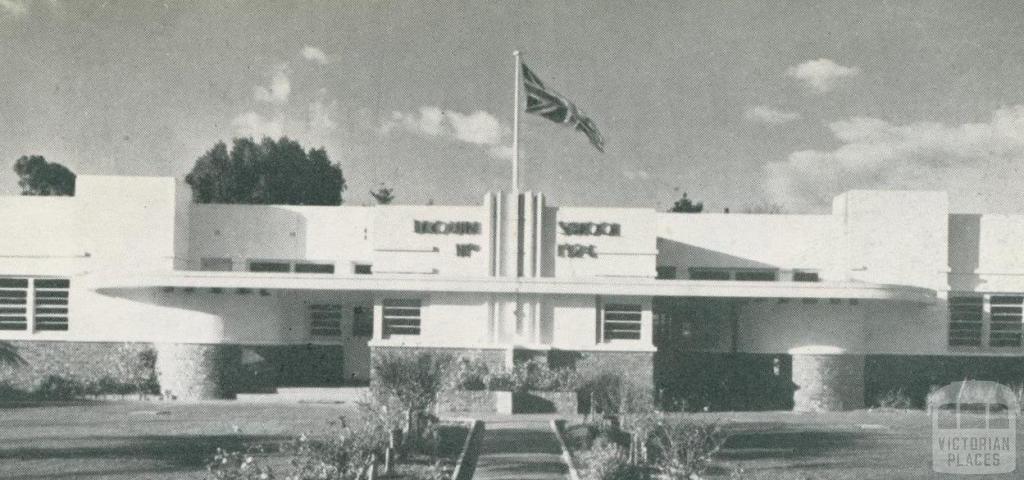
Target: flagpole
{"points": [[515, 126]]}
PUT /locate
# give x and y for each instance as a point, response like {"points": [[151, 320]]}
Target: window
{"points": [[965, 321], [325, 320], [363, 269], [621, 321], [314, 268], [216, 264], [13, 307], [51, 303], [709, 274], [401, 317], [805, 276], [1005, 322], [666, 273], [755, 275], [362, 322], [272, 267]]}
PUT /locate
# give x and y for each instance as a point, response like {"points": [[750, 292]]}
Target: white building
{"points": [[133, 260]]}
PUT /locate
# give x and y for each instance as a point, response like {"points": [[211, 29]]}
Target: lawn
{"points": [[845, 446], [142, 440]]}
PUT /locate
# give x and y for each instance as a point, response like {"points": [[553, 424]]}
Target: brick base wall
{"points": [[495, 359], [827, 383], [86, 362]]}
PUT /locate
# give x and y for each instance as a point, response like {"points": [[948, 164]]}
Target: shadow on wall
{"points": [[672, 252], [964, 251], [252, 231]]}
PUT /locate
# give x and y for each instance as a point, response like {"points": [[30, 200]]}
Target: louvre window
{"points": [[362, 322], [756, 275], [401, 317], [709, 274], [325, 320], [215, 264], [13, 304], [622, 321], [314, 268], [805, 276], [51, 303], [271, 267], [666, 273], [1005, 321], [966, 316]]}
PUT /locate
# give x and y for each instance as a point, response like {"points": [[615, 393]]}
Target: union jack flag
{"points": [[543, 101]]}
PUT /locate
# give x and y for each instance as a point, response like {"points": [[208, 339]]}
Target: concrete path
{"points": [[520, 449]]}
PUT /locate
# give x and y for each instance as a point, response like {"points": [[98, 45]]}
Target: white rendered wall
{"points": [[895, 237], [632, 253], [748, 241]]}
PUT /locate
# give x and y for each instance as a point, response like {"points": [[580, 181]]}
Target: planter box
{"points": [[482, 401]]}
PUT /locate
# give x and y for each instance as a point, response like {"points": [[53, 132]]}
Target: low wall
{"points": [[494, 358], [486, 401], [87, 362]]}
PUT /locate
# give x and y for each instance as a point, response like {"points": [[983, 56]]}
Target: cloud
{"points": [[639, 174], [477, 128], [769, 115], [821, 75], [15, 8], [280, 87], [976, 162], [252, 124], [315, 55]]}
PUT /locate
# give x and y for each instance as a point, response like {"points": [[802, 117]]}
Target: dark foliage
{"points": [[36, 176], [269, 172], [685, 205]]}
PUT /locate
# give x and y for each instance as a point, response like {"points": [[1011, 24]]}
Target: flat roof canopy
{"points": [[552, 286]]}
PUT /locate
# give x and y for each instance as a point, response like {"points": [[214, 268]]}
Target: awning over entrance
{"points": [[555, 286]]}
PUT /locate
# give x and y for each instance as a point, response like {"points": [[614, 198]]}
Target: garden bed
{"points": [[487, 401]]}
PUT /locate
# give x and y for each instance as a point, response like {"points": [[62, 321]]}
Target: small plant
{"points": [[413, 380], [895, 400], [472, 374], [535, 375], [606, 460], [248, 465], [685, 450]]}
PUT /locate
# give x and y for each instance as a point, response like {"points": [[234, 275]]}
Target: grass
{"points": [[142, 440], [835, 446]]}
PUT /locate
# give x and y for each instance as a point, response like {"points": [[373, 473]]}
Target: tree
{"points": [[767, 208], [269, 172], [36, 176], [383, 195], [685, 205]]}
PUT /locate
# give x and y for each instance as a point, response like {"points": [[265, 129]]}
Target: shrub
{"points": [[610, 392], [535, 375], [472, 374], [895, 400], [247, 465], [10, 393], [607, 461], [684, 449], [413, 380], [56, 387]]}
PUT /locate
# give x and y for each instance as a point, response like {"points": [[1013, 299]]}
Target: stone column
{"points": [[828, 382], [189, 371]]}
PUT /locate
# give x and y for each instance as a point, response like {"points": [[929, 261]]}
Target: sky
{"points": [[738, 104]]}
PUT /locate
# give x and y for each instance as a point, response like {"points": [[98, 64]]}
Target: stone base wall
{"points": [[475, 401], [86, 362], [196, 371], [826, 383]]}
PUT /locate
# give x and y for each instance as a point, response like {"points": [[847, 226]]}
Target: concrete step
{"points": [[323, 394], [261, 398]]}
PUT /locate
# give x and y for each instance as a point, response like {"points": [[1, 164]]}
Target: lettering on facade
{"points": [[576, 250], [446, 228], [590, 228], [466, 249]]}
